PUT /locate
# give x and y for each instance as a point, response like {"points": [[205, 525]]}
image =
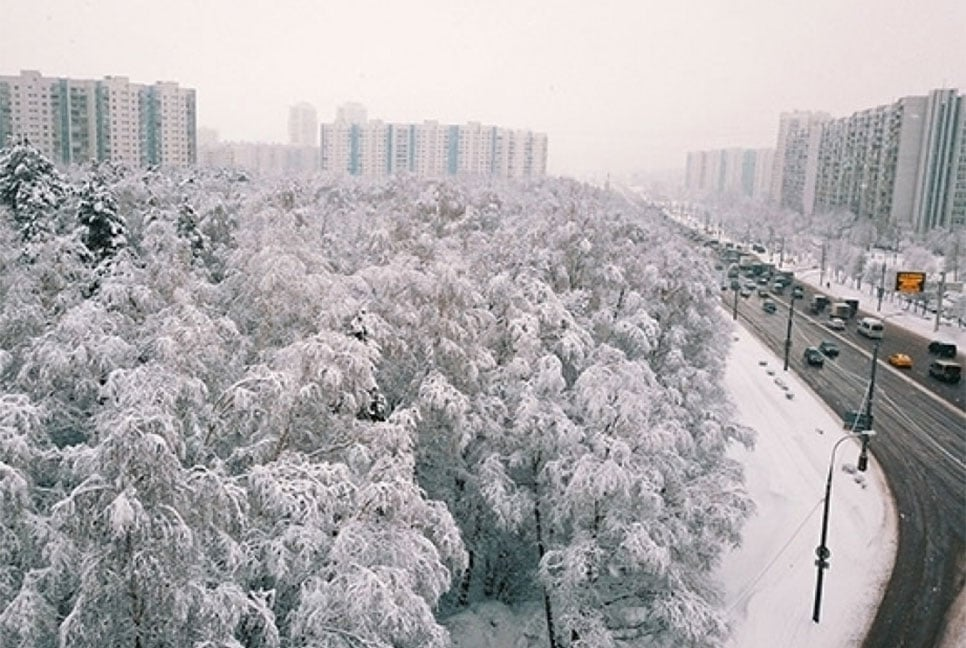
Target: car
{"points": [[943, 349], [769, 306], [946, 371], [763, 293], [900, 360], [836, 323], [797, 292], [829, 348], [745, 292], [813, 357]]}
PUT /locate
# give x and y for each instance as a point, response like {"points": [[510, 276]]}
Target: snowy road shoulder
{"points": [[770, 580]]}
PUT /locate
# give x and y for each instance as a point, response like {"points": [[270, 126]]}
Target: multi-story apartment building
{"points": [[796, 160], [745, 172], [899, 164], [76, 120], [266, 159], [303, 125], [355, 145]]}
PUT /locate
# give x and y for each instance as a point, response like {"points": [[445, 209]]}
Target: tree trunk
{"points": [[548, 609]]}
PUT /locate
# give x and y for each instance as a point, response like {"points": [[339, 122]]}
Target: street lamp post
{"points": [[734, 309], [788, 332], [822, 552]]}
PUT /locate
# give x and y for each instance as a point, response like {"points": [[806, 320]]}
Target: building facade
{"points": [[77, 120], [899, 165], [795, 163], [744, 172], [303, 125], [355, 145]]}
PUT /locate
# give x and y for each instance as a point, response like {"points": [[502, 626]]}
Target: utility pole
{"points": [[881, 286], [939, 299], [788, 332], [821, 275], [822, 552], [864, 455]]}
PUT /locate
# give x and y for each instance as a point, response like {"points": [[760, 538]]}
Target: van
{"points": [[871, 328], [943, 349], [945, 370]]}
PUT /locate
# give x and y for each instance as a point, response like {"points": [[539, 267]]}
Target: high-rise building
{"points": [[795, 164], [76, 120], [354, 145], [736, 171], [303, 125], [899, 164], [265, 159], [351, 113]]}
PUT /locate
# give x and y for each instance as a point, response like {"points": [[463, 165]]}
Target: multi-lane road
{"points": [[921, 446]]}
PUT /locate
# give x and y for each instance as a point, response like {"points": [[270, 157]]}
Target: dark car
{"points": [[943, 349], [813, 357], [797, 292], [769, 306], [946, 371], [828, 348]]}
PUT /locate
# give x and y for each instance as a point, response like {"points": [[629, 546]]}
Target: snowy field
{"points": [[769, 582]]}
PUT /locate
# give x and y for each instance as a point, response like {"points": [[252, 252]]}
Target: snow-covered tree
{"points": [[105, 230], [31, 188]]}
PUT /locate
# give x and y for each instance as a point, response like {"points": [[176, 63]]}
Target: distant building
{"points": [[351, 113], [896, 164], [261, 158], [745, 172], [303, 125], [76, 120], [354, 145], [796, 160]]}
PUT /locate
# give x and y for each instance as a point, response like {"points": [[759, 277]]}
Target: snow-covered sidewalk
{"points": [[770, 581]]}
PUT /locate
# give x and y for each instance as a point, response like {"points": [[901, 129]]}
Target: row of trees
{"points": [[334, 413], [847, 239]]}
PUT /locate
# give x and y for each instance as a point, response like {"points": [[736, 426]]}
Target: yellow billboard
{"points": [[910, 282]]}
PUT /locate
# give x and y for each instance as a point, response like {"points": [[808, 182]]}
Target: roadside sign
{"points": [[910, 282]]}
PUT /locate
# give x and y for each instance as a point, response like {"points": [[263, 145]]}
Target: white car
{"points": [[836, 323]]}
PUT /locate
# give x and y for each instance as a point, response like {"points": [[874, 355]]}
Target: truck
{"points": [[853, 306], [840, 310], [818, 304]]}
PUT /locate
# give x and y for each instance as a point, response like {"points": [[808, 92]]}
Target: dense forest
{"points": [[335, 412]]}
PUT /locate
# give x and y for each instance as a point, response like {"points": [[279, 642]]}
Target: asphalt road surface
{"points": [[921, 446]]}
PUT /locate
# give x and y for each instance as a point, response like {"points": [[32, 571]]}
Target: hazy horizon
{"points": [[622, 87]]}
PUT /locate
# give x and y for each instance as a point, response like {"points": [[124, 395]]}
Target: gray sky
{"points": [[618, 85]]}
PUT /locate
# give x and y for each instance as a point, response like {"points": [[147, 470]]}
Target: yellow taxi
{"points": [[900, 360]]}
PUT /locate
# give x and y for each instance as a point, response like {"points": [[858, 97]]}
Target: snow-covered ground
{"points": [[769, 581]]}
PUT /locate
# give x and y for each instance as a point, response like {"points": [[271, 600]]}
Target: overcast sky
{"points": [[618, 85]]}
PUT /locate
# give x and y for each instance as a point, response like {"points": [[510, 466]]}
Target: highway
{"points": [[920, 444]]}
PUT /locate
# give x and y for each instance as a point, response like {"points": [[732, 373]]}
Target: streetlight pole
{"points": [[788, 332], [734, 309], [822, 552]]}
